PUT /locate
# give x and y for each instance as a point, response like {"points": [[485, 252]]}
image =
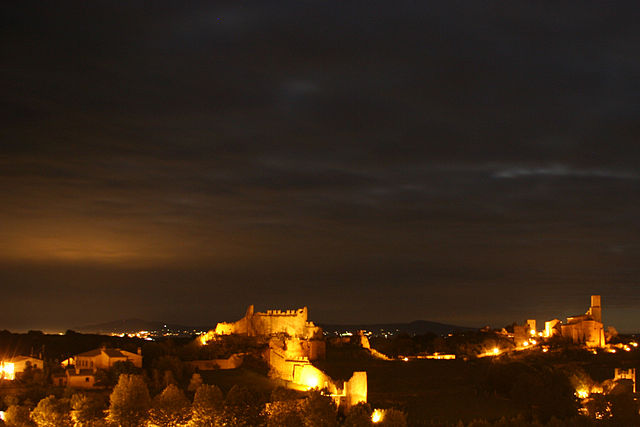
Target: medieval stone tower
{"points": [[596, 309]]}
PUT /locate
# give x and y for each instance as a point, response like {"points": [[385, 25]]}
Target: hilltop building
{"points": [[13, 367], [293, 343], [291, 322], [552, 328], [303, 337], [522, 333], [586, 328], [626, 374]]}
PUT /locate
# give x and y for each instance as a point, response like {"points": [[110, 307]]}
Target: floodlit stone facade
{"points": [[587, 328], [299, 373], [291, 322], [303, 338], [294, 342], [552, 328], [15, 366], [626, 374]]}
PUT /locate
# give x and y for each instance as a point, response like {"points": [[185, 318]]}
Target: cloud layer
{"points": [[377, 162]]}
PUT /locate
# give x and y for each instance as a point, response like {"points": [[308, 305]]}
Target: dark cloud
{"points": [[374, 161]]}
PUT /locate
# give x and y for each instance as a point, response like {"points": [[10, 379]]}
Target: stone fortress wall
{"points": [[294, 342], [291, 322]]}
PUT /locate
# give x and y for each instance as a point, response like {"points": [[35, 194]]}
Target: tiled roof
{"points": [[114, 352], [16, 359], [90, 353], [111, 352]]}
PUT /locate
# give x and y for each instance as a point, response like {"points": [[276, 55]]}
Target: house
{"points": [[80, 378], [14, 366], [74, 378], [81, 369], [103, 358]]}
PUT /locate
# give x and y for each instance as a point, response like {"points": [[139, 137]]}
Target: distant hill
{"points": [[417, 327], [134, 325]]}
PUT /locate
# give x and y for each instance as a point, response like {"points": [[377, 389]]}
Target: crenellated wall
{"points": [[293, 343], [291, 322]]}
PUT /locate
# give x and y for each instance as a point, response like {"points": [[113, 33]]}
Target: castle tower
{"points": [[596, 310]]}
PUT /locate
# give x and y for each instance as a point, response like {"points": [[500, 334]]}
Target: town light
{"points": [[7, 371], [10, 370], [582, 393], [310, 379]]}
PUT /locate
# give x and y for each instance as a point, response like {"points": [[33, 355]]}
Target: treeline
{"points": [[522, 421], [130, 405], [546, 392], [55, 348], [462, 344]]}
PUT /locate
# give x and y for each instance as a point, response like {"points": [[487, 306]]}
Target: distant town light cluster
{"points": [[163, 333]]}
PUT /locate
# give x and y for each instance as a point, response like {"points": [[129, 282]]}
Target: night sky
{"points": [[465, 162]]}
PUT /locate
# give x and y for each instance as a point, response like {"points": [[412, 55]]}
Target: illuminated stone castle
{"points": [[294, 342], [291, 322]]}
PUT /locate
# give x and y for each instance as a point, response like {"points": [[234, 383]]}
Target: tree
{"points": [[119, 368], [207, 406], [282, 393], [11, 399], [359, 416], [394, 418], [284, 413], [86, 410], [195, 382], [624, 409], [319, 410], [129, 401], [242, 407], [170, 370], [170, 408], [18, 416], [52, 412]]}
